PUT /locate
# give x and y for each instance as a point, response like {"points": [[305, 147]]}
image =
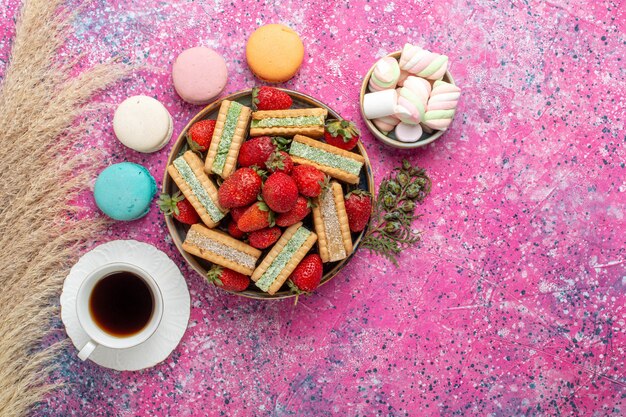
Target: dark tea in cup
{"points": [[121, 304]]}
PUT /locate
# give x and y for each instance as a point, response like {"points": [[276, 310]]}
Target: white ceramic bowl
{"points": [[389, 139]]}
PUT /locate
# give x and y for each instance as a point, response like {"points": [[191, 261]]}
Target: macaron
{"points": [[124, 191], [142, 123], [274, 53], [199, 74]]}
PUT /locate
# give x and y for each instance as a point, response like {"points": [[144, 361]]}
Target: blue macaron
{"points": [[124, 191]]}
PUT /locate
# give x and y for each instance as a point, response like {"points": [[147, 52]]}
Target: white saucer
{"points": [[176, 304]]}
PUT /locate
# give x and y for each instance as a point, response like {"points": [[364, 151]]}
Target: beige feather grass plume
{"points": [[39, 176]]}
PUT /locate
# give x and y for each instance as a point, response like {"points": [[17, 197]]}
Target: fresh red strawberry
{"points": [[270, 98], [280, 192], [307, 275], [227, 279], [358, 209], [200, 134], [256, 151], [179, 207], [234, 231], [264, 238], [258, 216], [309, 180], [341, 133], [296, 214], [240, 189], [237, 212], [279, 161]]}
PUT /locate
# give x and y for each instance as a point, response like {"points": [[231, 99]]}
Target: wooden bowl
{"points": [[390, 139], [178, 231]]}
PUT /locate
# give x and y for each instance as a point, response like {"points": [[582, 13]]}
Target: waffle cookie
{"points": [[221, 249], [331, 224], [230, 133], [187, 173], [336, 162], [308, 122], [283, 258]]}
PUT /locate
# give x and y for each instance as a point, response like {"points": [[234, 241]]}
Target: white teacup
{"points": [[98, 335]]}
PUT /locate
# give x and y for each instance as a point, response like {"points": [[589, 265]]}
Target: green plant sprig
{"points": [[390, 229]]}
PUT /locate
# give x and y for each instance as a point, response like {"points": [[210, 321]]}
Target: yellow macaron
{"points": [[274, 53]]}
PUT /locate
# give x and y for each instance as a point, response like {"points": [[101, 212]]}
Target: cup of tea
{"points": [[119, 306]]}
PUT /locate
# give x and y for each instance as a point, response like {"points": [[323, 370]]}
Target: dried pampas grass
{"points": [[40, 235]]}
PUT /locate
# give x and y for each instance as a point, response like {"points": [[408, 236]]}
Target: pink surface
{"points": [[513, 304]]}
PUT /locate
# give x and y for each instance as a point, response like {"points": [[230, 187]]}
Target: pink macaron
{"points": [[200, 74]]}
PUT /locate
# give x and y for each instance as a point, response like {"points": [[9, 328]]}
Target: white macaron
{"points": [[142, 123]]}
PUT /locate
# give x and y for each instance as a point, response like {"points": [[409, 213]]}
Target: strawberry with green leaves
{"points": [[307, 275], [279, 161], [256, 151], [256, 217], [341, 133], [237, 212], [270, 98], [178, 207], [234, 230], [227, 279], [300, 210], [200, 134], [358, 208], [309, 180], [264, 238], [240, 189], [280, 192]]}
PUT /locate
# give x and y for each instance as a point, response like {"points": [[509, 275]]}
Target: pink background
{"points": [[513, 304]]}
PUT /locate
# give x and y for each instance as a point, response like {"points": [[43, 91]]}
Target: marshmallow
{"points": [[423, 63], [379, 104], [441, 105], [385, 75], [412, 100], [426, 129], [405, 112], [403, 76], [419, 87], [386, 124], [408, 133]]}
